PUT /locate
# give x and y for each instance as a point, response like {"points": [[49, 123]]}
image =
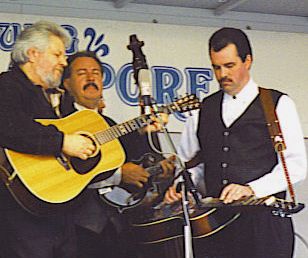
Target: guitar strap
{"points": [[276, 135]]}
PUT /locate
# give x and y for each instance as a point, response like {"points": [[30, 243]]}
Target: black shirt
{"points": [[21, 102]]}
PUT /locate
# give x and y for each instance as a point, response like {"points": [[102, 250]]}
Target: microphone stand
{"points": [[184, 186]]}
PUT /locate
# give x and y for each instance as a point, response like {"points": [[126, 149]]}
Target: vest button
{"points": [[225, 181], [225, 148], [226, 133], [224, 165]]}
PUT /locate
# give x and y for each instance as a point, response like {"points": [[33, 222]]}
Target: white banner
{"points": [[177, 57]]}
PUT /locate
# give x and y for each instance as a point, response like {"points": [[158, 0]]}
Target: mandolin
{"points": [[126, 196]]}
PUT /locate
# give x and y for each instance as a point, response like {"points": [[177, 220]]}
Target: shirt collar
{"points": [[248, 93], [80, 107]]}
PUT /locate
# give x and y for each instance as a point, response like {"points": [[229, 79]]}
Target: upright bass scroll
{"points": [[139, 59]]}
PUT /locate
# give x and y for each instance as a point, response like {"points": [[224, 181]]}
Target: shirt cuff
{"points": [[115, 179]]}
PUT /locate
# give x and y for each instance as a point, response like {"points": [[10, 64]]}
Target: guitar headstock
{"points": [[284, 208], [184, 104]]}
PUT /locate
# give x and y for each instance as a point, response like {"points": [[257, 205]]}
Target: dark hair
{"points": [[226, 36], [70, 60]]}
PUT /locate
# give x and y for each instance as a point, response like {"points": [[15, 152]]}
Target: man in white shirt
{"points": [[188, 149], [98, 223], [239, 157]]}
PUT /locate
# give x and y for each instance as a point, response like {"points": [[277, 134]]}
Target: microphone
{"points": [[145, 85]]}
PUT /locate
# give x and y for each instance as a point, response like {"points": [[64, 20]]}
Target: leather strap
{"points": [[275, 132]]}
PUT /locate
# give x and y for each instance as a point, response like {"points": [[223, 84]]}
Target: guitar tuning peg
{"points": [[181, 99], [275, 213]]}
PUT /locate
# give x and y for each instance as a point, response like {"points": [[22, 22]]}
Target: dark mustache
{"points": [[90, 84], [225, 79]]}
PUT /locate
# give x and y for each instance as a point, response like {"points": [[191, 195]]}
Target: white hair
{"points": [[37, 35]]}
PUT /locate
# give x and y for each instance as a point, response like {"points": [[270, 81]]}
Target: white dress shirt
{"points": [[188, 148], [295, 153]]}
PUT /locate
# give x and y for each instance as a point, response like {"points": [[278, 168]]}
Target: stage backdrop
{"points": [[177, 57]]}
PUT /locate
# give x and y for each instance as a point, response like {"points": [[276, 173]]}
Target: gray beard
{"points": [[49, 79]]}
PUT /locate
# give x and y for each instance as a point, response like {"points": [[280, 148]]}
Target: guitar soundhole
{"points": [[84, 166]]}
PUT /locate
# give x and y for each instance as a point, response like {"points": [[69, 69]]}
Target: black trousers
{"points": [[256, 234], [106, 244]]}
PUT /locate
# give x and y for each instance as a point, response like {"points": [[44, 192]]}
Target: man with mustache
{"points": [[97, 222], [38, 60], [233, 143]]}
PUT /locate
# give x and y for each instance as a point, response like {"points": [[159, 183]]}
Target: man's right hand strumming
{"points": [[76, 145]]}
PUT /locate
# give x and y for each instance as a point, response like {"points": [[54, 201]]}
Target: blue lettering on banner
{"points": [[109, 75], [167, 80], [8, 35], [198, 80], [126, 89], [96, 44], [72, 49]]}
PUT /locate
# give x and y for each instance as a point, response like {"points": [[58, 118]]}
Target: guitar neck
{"points": [[122, 129], [184, 104], [250, 201], [278, 206]]}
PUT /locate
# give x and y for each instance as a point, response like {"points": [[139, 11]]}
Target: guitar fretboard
{"points": [[282, 207], [250, 201], [184, 104], [119, 130]]}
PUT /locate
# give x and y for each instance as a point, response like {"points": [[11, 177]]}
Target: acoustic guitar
{"points": [[57, 180], [165, 222]]}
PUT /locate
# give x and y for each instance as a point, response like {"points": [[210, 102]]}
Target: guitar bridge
{"points": [[63, 161]]}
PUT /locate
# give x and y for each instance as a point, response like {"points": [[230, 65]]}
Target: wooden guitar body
{"points": [[165, 222], [58, 180], [51, 182]]}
